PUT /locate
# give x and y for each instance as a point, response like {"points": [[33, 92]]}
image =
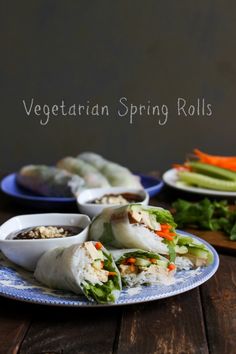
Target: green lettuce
{"points": [[198, 250], [104, 293], [206, 214]]}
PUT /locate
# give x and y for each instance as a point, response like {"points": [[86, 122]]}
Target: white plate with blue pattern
{"points": [[18, 284]]}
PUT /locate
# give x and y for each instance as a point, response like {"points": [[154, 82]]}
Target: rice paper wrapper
{"points": [[116, 174], [68, 269], [49, 181], [92, 177], [113, 229]]}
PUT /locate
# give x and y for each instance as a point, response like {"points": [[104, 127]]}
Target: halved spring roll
{"points": [[191, 253], [136, 226], [48, 181], [87, 268], [138, 267]]}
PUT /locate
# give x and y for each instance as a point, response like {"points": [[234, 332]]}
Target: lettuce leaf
{"points": [[104, 293], [101, 293], [163, 216]]}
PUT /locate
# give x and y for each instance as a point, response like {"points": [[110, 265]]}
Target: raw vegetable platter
{"points": [[171, 178], [205, 174], [18, 284]]}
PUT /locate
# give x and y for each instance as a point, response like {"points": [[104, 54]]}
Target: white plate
{"points": [[18, 284], [170, 177]]}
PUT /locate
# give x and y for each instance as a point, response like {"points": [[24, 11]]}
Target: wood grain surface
{"points": [[217, 239], [164, 326], [219, 306]]}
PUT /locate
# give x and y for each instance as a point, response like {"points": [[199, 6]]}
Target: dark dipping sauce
{"points": [[45, 232], [121, 199]]}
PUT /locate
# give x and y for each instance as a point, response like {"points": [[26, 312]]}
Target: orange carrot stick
{"points": [[131, 260], [98, 245], [228, 162], [132, 268], [171, 266], [164, 235]]}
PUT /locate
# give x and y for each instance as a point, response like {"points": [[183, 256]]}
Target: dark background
{"points": [[103, 50]]}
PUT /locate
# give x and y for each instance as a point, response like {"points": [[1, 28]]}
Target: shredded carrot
{"points": [[152, 260], [102, 264], [165, 226], [166, 232], [132, 268], [112, 273], [98, 245], [165, 235], [131, 260], [171, 266]]}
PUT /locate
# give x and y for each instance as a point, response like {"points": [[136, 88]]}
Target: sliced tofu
{"points": [[144, 217], [93, 252]]}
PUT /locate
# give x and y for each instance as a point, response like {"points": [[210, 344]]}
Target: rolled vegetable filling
{"points": [[191, 253], [136, 226], [138, 267], [87, 268], [104, 285], [150, 229]]}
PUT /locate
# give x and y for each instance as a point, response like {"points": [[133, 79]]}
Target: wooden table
{"points": [[202, 320]]}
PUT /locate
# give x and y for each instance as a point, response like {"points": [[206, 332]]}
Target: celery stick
{"points": [[200, 180]]}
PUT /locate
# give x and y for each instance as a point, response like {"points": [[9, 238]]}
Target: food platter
{"points": [[170, 177], [18, 284], [10, 187]]}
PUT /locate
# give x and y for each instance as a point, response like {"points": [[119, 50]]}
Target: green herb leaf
{"points": [[206, 214]]}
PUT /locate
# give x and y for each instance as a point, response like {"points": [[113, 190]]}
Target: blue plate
{"points": [[18, 284], [10, 187]]}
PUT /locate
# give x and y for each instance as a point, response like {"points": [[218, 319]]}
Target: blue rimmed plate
{"points": [[10, 187], [18, 284]]}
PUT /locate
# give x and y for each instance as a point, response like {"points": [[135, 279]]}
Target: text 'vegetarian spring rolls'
{"points": [[138, 267], [87, 268], [136, 226]]}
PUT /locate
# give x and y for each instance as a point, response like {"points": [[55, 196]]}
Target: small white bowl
{"points": [[86, 207], [27, 252]]}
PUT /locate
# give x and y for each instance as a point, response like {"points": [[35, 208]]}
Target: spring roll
{"points": [[87, 268], [136, 226], [116, 174], [138, 267], [92, 177], [48, 181], [191, 253]]}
